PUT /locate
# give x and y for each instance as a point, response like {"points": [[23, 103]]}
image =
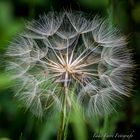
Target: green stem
{"points": [[66, 126], [62, 125]]}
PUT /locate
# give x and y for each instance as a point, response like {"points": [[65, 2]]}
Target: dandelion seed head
{"points": [[72, 50]]}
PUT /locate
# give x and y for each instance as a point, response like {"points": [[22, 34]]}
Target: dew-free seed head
{"points": [[65, 51]]}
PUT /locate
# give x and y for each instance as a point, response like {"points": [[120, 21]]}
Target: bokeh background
{"points": [[15, 123]]}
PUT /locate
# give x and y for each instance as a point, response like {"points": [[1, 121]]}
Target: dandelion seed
{"points": [[62, 50]]}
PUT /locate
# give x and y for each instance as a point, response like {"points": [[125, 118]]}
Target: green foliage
{"points": [[33, 2], [8, 25], [5, 139], [49, 129], [6, 16], [78, 124], [5, 81], [136, 13], [17, 124], [95, 3]]}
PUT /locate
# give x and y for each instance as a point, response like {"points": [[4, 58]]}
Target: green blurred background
{"points": [[15, 123]]}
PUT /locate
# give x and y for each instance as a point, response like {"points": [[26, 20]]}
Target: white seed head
{"points": [[74, 50]]}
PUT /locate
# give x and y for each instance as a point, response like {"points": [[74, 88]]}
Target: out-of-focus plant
{"points": [[70, 62], [5, 81], [96, 4], [8, 26], [135, 13], [4, 139]]}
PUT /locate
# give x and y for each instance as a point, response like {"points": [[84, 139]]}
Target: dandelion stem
{"points": [[64, 122]]}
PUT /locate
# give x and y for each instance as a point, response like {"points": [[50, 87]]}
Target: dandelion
{"points": [[65, 51]]}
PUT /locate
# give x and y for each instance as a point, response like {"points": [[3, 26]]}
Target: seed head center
{"points": [[68, 68]]}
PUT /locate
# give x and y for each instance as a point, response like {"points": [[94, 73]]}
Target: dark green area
{"points": [[15, 123]]}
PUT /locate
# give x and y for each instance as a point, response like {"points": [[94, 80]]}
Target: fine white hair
{"points": [[74, 48]]}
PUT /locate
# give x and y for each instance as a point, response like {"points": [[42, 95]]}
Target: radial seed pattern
{"points": [[70, 50]]}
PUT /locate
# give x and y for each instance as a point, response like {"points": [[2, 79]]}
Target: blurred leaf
{"points": [[5, 14], [121, 18], [47, 132], [5, 81], [49, 128], [78, 123], [136, 13], [9, 33], [5, 139], [94, 3], [34, 2]]}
